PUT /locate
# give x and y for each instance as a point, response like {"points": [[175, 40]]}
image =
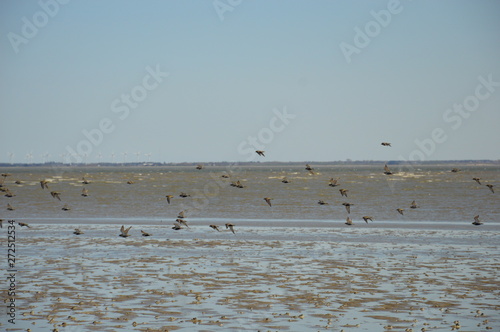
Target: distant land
{"points": [[260, 163]]}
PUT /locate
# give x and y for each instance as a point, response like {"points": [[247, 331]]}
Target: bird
{"points": [[477, 222], [85, 192], [413, 205], [268, 200], [225, 176], [84, 181], [182, 222], [400, 211], [18, 182], [321, 202], [176, 226], [130, 182], [181, 215], [231, 227], [478, 180], [10, 207], [77, 231], [385, 144], [343, 192], [1, 222], [23, 224], [66, 207], [124, 231], [285, 180], [347, 207], [215, 227], [169, 197], [310, 169], [387, 170], [455, 170], [366, 218], [237, 184], [199, 166], [184, 195], [260, 153], [145, 233], [44, 184], [348, 221], [8, 193], [491, 187], [333, 182], [56, 194]]}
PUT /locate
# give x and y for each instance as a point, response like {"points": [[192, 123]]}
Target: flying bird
{"points": [[285, 180], [145, 233], [347, 207], [199, 166], [184, 195], [85, 192], [182, 222], [333, 182], [413, 205], [124, 231], [348, 221], [56, 194], [321, 202], [231, 227], [77, 231], [23, 224], [260, 153], [478, 180], [84, 181], [66, 207], [387, 170], [385, 144], [176, 226], [169, 197], [8, 193], [1, 222], [181, 215], [215, 227], [310, 169], [44, 184], [491, 187], [366, 218], [10, 207], [477, 222], [455, 170], [343, 192], [268, 200], [400, 211]]}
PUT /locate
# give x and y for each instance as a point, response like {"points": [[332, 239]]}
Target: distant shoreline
{"points": [[263, 163]]}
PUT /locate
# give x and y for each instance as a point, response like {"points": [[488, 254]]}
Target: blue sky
{"points": [[211, 80]]}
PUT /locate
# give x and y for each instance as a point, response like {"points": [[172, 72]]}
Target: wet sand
{"points": [[279, 277]]}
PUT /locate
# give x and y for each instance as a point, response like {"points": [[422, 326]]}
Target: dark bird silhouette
{"points": [[124, 231], [385, 144], [44, 184], [184, 195], [237, 184], [176, 226], [56, 194], [333, 182], [145, 233], [285, 180], [199, 167], [478, 180], [260, 153], [455, 170], [18, 182], [400, 211], [348, 221], [366, 218], [84, 181], [182, 222], [322, 202], [1, 223], [491, 187], [310, 169], [169, 197], [231, 227], [347, 207], [66, 207], [413, 205], [387, 170], [268, 200], [23, 224], [477, 222], [85, 192], [130, 182], [215, 227], [343, 192], [77, 231], [225, 176]]}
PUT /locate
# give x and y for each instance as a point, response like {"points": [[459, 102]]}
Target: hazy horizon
{"points": [[197, 81]]}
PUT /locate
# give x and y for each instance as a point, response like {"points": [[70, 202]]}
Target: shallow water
{"points": [[294, 266]]}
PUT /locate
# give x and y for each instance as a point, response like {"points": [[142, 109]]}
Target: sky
{"points": [[208, 81]]}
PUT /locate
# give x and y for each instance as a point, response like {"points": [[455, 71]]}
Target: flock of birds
{"points": [[181, 222]]}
